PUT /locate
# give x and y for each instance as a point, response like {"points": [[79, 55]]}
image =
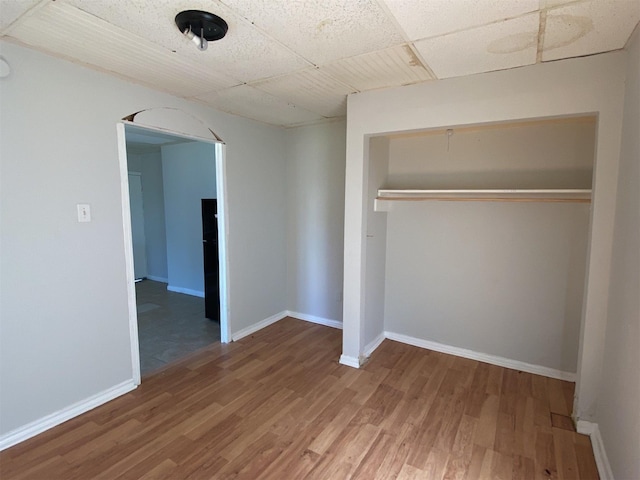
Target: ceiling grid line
{"points": [[475, 27], [30, 10], [425, 64], [543, 26]]}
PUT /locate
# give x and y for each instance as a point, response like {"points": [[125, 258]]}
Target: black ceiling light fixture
{"points": [[201, 27]]}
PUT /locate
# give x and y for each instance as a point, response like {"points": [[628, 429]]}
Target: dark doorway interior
{"points": [[210, 251]]}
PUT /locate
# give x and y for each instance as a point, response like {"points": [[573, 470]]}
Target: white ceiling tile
{"points": [[311, 89], [589, 27], [392, 67], [10, 10], [247, 101], [429, 18], [325, 30], [100, 44], [244, 54], [554, 3], [498, 46]]}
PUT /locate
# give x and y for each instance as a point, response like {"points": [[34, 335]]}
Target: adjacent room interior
{"points": [[172, 198]]}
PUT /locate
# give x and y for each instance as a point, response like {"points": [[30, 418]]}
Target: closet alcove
{"points": [[481, 233]]}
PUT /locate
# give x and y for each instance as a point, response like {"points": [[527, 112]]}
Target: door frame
{"points": [[223, 229]]}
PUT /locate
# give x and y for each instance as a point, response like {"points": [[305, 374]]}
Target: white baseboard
{"points": [[36, 427], [313, 319], [258, 326], [186, 291], [599, 452], [586, 428], [349, 361], [158, 279], [483, 357], [370, 348]]}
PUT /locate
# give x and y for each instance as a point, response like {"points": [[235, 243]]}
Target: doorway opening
{"points": [[176, 269], [211, 262]]}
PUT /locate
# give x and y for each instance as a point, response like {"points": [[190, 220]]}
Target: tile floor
{"points": [[170, 325]]}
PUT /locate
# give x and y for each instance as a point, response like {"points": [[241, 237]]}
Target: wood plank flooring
{"points": [[277, 405]]}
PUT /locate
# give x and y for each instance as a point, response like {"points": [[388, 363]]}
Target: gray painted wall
{"points": [[189, 175], [315, 215], [154, 215], [149, 163], [551, 154], [256, 161], [618, 413], [499, 278], [64, 326]]}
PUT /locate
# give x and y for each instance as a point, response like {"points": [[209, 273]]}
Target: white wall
{"points": [[189, 175], [618, 412], [315, 215], [64, 325], [374, 299], [501, 278], [256, 173], [569, 87], [551, 154], [149, 163]]}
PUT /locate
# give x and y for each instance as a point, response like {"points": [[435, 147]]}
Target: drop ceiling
{"points": [[293, 62]]}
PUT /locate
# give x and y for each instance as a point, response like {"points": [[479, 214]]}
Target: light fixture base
{"points": [[204, 24]]}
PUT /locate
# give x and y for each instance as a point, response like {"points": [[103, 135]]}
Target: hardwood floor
{"points": [[277, 405]]}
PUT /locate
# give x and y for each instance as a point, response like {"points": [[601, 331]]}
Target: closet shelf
{"points": [[483, 195]]}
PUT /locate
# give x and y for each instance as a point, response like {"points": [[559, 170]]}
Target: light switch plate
{"points": [[84, 212]]}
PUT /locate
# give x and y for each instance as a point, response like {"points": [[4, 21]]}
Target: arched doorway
{"points": [[173, 122]]}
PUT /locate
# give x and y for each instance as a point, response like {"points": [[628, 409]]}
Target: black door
{"points": [[210, 250]]}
